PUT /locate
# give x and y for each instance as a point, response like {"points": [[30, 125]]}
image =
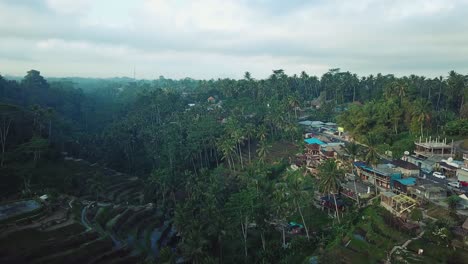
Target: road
{"points": [[441, 182]]}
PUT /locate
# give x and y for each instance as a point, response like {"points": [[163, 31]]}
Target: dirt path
{"points": [[403, 246]]}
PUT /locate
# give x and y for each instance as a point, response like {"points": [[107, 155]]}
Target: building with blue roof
{"points": [[314, 141], [381, 176], [401, 185]]}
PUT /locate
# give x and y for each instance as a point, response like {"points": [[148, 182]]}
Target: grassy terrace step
{"points": [[105, 215], [136, 218], [125, 260], [123, 218], [111, 255], [111, 223], [124, 195], [53, 247], [136, 197], [113, 194], [79, 255], [25, 241]]}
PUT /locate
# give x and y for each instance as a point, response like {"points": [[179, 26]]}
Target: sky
{"points": [[207, 39]]}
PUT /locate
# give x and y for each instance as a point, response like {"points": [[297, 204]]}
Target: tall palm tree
{"points": [[250, 133], [226, 145], [422, 112], [353, 149], [296, 186], [293, 102], [372, 156], [330, 178], [262, 150]]}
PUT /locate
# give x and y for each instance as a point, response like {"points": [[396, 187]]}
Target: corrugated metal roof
{"points": [[313, 141]]}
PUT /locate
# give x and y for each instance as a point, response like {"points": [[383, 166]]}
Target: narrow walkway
{"points": [[403, 246]]}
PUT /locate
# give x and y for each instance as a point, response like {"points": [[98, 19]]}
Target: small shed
{"points": [[211, 99], [402, 185], [314, 141]]}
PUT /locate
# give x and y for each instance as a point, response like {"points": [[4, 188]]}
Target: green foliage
{"points": [[453, 201], [457, 127], [416, 214]]}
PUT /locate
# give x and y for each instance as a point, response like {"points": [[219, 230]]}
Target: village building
{"points": [[406, 168], [433, 147], [426, 165], [448, 167], [356, 190], [398, 204], [381, 176], [401, 185], [428, 191], [211, 99], [462, 172]]}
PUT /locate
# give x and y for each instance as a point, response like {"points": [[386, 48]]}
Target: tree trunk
{"points": [[3, 138], [357, 195], [336, 208], [250, 160], [440, 92], [244, 227], [284, 237], [354, 93], [262, 236], [422, 128], [303, 220], [240, 155]]}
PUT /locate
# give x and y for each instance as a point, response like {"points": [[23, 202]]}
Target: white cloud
{"points": [[69, 7], [208, 38]]}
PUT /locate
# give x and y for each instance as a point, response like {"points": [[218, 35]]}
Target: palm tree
{"points": [[249, 132], [330, 177], [296, 182], [372, 156], [293, 102], [353, 149], [422, 112], [226, 146], [262, 150]]}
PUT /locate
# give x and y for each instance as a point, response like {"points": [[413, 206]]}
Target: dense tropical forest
{"points": [[213, 154]]}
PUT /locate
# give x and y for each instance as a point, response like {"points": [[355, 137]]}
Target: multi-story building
{"points": [[462, 172], [433, 147], [381, 176]]}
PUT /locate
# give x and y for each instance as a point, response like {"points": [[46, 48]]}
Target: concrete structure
{"points": [[353, 189], [462, 172], [408, 169], [428, 191], [380, 176], [433, 147], [401, 185], [426, 164], [397, 204]]}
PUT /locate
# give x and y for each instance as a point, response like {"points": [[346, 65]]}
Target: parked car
{"points": [[454, 184], [438, 175]]}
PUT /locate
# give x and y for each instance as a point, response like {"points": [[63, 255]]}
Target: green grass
{"points": [[379, 238], [438, 254]]}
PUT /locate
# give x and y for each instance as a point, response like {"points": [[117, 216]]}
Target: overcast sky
{"points": [[225, 38]]}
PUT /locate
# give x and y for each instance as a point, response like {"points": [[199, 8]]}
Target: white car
{"points": [[438, 175], [454, 184]]}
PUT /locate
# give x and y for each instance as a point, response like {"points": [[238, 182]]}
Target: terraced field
{"points": [[118, 228]]}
